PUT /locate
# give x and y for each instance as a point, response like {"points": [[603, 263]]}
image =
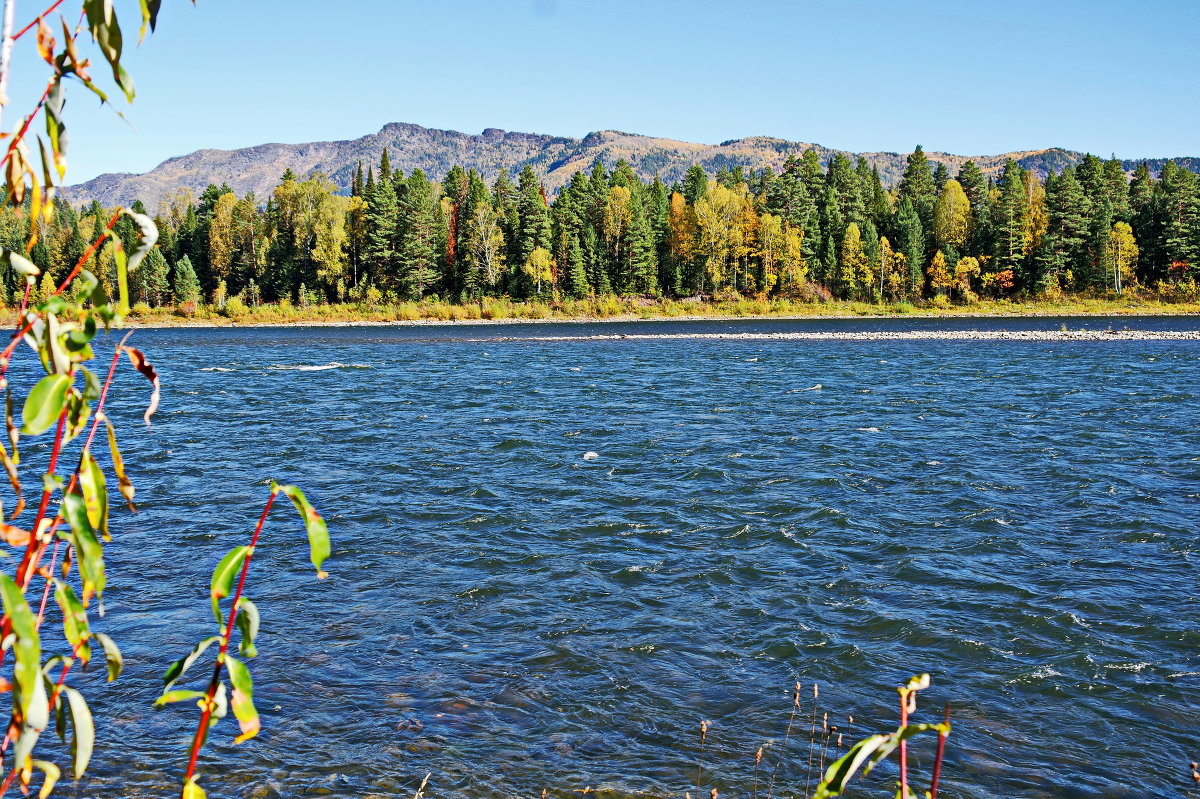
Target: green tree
{"points": [[917, 187], [151, 283], [185, 285]]}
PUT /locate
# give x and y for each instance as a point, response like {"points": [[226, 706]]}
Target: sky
{"points": [[964, 77]]}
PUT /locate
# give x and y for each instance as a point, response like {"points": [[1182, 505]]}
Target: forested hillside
{"points": [[804, 232], [554, 159]]}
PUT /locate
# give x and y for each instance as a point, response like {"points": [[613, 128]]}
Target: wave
{"points": [[322, 367], [217, 369]]}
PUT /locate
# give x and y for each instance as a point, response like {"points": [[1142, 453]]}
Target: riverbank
{"points": [[633, 309]]}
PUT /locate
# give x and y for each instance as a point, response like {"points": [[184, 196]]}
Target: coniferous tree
{"points": [[151, 284], [695, 184], [917, 187], [911, 241], [185, 285], [417, 256], [380, 245], [1009, 216]]}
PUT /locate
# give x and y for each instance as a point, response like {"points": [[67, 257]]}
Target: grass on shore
{"points": [[632, 308]]}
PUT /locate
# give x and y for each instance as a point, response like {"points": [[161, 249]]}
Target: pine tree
{"points": [[917, 187], [151, 285], [1009, 218], [695, 184], [911, 241], [417, 254], [380, 245], [533, 230], [1145, 220], [975, 186], [185, 284]]}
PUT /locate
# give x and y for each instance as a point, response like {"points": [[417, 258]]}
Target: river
{"points": [[1017, 519]]}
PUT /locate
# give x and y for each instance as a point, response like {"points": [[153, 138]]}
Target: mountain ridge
{"points": [[554, 158]]}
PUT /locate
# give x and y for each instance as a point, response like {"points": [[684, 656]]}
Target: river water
{"points": [[1017, 519]]}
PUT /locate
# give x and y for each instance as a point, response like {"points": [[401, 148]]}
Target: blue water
{"points": [[1016, 519]]}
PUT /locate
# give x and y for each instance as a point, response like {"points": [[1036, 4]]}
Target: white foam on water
{"points": [[322, 367]]}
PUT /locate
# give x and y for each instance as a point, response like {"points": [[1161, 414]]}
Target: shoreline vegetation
{"points": [[617, 309]]}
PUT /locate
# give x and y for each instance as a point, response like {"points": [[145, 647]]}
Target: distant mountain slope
{"points": [[554, 158]]}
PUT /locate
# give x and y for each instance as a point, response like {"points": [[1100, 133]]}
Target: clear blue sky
{"points": [[964, 77]]}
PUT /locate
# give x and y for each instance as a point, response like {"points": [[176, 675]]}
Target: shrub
{"points": [[234, 308]]}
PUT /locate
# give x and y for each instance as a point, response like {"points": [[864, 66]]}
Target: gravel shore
{"points": [[908, 335]]}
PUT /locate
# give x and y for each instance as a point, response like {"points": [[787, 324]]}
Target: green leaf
{"points": [[52, 773], [149, 16], [247, 621], [871, 751], [14, 433], [95, 494], [32, 725], [318, 532], [224, 575], [83, 737], [56, 129], [75, 620], [243, 699], [78, 341], [177, 696], [45, 404], [117, 250], [87, 546], [91, 385], [192, 790], [180, 667], [57, 355], [112, 655], [220, 704], [78, 412], [27, 647], [118, 462]]}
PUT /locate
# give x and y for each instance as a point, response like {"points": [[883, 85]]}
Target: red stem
{"points": [[941, 751], [35, 545], [25, 30], [53, 563], [903, 748], [6, 355], [206, 713], [5, 623], [87, 254], [25, 125]]}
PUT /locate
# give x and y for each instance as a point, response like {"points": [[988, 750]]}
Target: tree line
{"points": [[809, 231]]}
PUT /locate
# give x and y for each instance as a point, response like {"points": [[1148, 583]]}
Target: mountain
{"points": [[554, 158]]}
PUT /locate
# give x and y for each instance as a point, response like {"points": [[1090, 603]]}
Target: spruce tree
{"points": [[417, 254], [917, 187], [911, 241], [185, 285], [379, 241], [533, 216], [151, 279], [695, 184], [1009, 217]]}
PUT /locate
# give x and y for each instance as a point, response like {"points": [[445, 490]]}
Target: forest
{"points": [[810, 232]]}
